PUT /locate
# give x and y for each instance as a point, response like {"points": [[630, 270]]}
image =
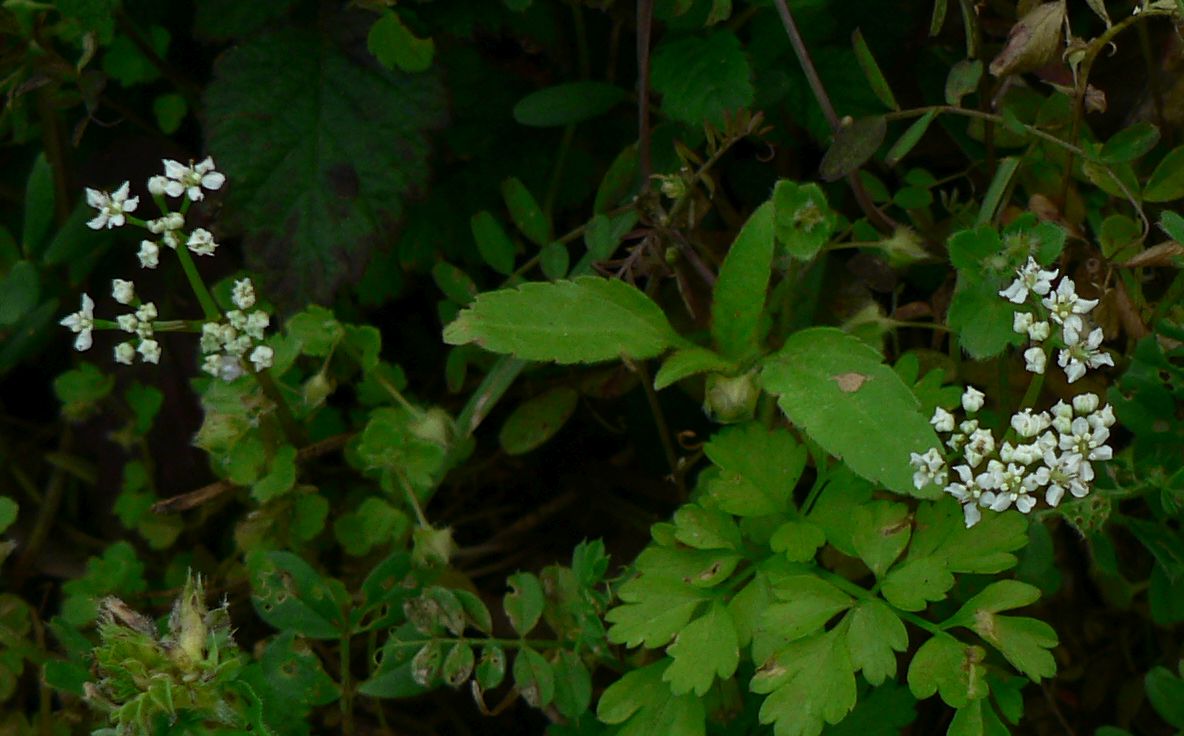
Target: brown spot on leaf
{"points": [[850, 382]]}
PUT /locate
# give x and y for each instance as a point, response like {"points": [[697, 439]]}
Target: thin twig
{"points": [[663, 428], [645, 23]]}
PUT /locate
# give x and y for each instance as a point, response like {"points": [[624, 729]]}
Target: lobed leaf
{"points": [[706, 648]]}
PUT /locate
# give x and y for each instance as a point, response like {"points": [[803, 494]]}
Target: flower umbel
{"points": [[82, 322]]}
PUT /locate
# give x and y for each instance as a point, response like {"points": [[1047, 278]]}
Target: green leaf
{"points": [[854, 144], [455, 283], [124, 62], [1166, 693], [524, 603], [810, 682], [280, 478], [963, 80], [748, 484], [881, 533], [293, 679], [145, 403], [374, 523], [528, 216], [573, 685], [345, 143], [8, 512], [587, 320], [836, 388], [689, 362], [1167, 180], [554, 260], [84, 385], [874, 635], [944, 664], [394, 45], [977, 718], [798, 540], [910, 139], [645, 706], [887, 709], [1130, 143], [739, 294], [653, 610], [39, 207], [1172, 224], [534, 678], [290, 595], [702, 528], [457, 664], [981, 318], [21, 289], [911, 585], [871, 70], [170, 111], [493, 244], [222, 20], [1022, 641], [986, 548], [491, 668], [1000, 185], [808, 603], [568, 103], [804, 221], [537, 420], [702, 78], [706, 648]]}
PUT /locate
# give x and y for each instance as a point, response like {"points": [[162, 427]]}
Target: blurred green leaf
{"points": [[524, 209], [537, 420], [493, 244], [524, 603], [702, 78], [871, 70], [394, 45], [567, 103], [853, 145]]}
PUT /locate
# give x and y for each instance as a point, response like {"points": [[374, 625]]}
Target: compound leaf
{"points": [[706, 647], [749, 485], [643, 704], [944, 664], [874, 635], [809, 682]]}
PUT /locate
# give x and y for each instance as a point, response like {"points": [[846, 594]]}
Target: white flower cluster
{"points": [[226, 343], [1055, 455], [1081, 342]]}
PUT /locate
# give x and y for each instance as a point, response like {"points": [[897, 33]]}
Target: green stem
{"points": [[857, 591], [413, 500], [347, 694], [204, 298]]}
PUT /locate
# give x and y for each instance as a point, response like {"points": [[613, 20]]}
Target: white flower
{"points": [[1061, 473], [191, 179], [222, 366], [982, 443], [123, 291], [237, 319], [211, 338], [1029, 278], [82, 322], [244, 294], [262, 357], [201, 242], [127, 322], [930, 467], [157, 185], [125, 353], [149, 351], [257, 322], [942, 420], [1062, 417], [1103, 417], [1022, 322], [967, 492], [149, 254], [111, 206], [171, 238], [1085, 403], [1080, 354], [146, 312], [1035, 360], [1027, 424], [972, 399], [1039, 331], [1087, 441], [239, 346], [1064, 305]]}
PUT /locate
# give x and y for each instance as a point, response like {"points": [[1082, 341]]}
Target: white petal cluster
{"points": [[1054, 454], [138, 323], [189, 180], [225, 344], [1079, 342], [111, 206], [82, 323]]}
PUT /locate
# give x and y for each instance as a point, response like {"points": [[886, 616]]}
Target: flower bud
{"points": [[731, 399], [432, 547], [317, 389], [1032, 42]]}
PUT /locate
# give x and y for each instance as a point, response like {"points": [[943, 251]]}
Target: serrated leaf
{"points": [[748, 484], [874, 635], [537, 420], [837, 389], [493, 244], [1130, 143], [526, 213], [702, 78], [809, 602], [963, 79], [810, 683], [705, 649], [571, 102], [1167, 180], [981, 318], [583, 321], [740, 289], [985, 548], [280, 478], [345, 143], [1022, 641], [394, 45], [882, 531], [643, 704], [854, 144], [912, 584], [944, 664], [690, 362], [977, 718], [871, 70], [653, 612], [910, 139], [525, 601], [798, 540]]}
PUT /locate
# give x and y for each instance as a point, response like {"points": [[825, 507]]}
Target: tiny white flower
{"points": [[1062, 417], [125, 353], [942, 420], [1081, 353], [930, 467], [1103, 417], [237, 319], [171, 238], [969, 426], [1039, 331], [982, 443], [239, 346], [967, 492], [111, 206], [149, 254], [1029, 278], [972, 399], [201, 242], [257, 322], [146, 312], [1022, 322], [1087, 441], [157, 185], [190, 180], [211, 338], [222, 366], [127, 322], [149, 351], [123, 291], [262, 357], [82, 322], [243, 295], [1035, 360], [1064, 305], [1085, 403]]}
